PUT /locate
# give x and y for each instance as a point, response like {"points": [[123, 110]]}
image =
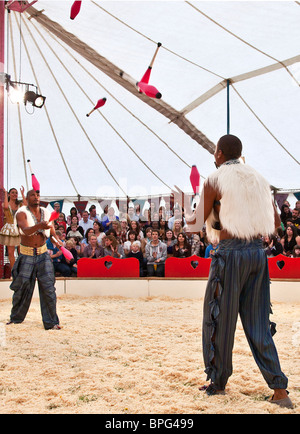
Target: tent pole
{"points": [[2, 55], [228, 108]]}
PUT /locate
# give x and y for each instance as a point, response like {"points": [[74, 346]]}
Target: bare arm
{"points": [[30, 230], [277, 219], [196, 221]]}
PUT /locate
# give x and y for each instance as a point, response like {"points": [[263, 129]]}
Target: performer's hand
{"points": [[45, 225]]}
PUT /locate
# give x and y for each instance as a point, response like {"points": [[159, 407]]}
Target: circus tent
{"points": [[222, 66]]}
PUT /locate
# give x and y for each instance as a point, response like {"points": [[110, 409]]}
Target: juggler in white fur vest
{"points": [[45, 216], [246, 210]]}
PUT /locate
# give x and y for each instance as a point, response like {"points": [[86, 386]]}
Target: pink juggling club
{"points": [[75, 9], [195, 179], [99, 104], [34, 181], [67, 254]]}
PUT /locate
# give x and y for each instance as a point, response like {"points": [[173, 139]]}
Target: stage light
{"points": [[35, 99]]}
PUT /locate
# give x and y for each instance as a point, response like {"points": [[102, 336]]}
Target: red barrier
{"points": [[194, 266], [108, 267], [280, 267], [283, 267]]}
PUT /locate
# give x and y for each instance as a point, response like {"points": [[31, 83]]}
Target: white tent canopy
{"points": [[127, 147]]}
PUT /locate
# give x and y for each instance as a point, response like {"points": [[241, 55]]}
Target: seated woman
{"points": [[272, 246], [79, 228], [73, 213], [182, 249], [289, 240], [177, 228], [98, 231], [170, 240], [134, 226], [113, 248], [93, 250], [85, 240]]}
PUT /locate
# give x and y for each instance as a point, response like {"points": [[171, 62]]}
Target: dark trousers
{"points": [[159, 272], [239, 283], [26, 270]]}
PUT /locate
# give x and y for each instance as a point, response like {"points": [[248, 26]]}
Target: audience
{"points": [[154, 240]]}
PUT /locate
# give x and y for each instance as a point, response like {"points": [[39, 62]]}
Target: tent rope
{"points": [[151, 40], [91, 101], [244, 42], [264, 125], [119, 76], [19, 112], [76, 117], [119, 102], [47, 113]]}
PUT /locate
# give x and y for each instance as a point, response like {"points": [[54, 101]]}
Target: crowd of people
{"points": [[152, 240], [151, 237]]}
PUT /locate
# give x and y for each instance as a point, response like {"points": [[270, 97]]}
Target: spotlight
{"points": [[35, 99]]}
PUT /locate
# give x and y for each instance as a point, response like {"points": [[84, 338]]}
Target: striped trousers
{"points": [[239, 283], [26, 270]]}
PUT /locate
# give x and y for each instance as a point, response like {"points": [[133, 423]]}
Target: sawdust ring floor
{"points": [[119, 355]]}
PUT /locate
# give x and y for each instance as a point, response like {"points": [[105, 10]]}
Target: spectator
{"points": [[296, 251], [85, 222], [195, 243], [177, 228], [86, 239], [211, 249], [177, 216], [113, 248], [55, 255], [123, 231], [75, 220], [132, 237], [156, 254], [74, 232], [131, 214], [203, 241], [134, 226], [73, 213], [93, 250], [93, 214], [295, 219], [71, 263], [272, 246], [285, 214], [56, 207], [135, 252], [109, 218], [289, 240], [170, 242], [137, 210], [182, 249], [116, 226], [98, 231], [162, 229], [77, 246], [62, 221]]}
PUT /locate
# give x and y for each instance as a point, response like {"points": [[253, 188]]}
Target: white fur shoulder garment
{"points": [[246, 202]]}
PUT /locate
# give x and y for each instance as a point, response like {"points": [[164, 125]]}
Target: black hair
{"points": [[231, 146]]}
